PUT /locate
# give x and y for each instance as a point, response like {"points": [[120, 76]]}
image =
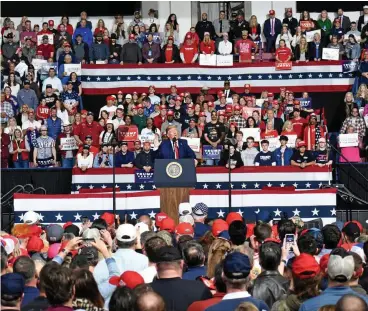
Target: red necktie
{"points": [[176, 147]]}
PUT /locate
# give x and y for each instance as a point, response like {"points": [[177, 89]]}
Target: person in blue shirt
{"points": [[340, 270], [200, 213], [337, 31], [283, 154], [103, 158], [236, 272], [194, 258], [67, 51], [85, 32], [125, 158], [148, 107], [265, 157], [53, 124]]}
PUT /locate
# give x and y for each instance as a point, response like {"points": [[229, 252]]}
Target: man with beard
{"points": [[130, 52], [170, 121], [205, 26], [290, 21], [98, 50]]}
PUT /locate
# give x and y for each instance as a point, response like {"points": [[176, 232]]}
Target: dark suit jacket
{"points": [[166, 151], [292, 23], [297, 52], [312, 51], [231, 93], [267, 28], [345, 24], [361, 22]]}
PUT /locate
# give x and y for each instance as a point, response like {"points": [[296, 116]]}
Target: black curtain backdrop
{"points": [[318, 6], [332, 101], [69, 8]]}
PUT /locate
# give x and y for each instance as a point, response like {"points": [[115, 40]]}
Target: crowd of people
{"points": [[198, 264]]}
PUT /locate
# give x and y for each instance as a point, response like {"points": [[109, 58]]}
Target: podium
{"points": [[174, 179]]}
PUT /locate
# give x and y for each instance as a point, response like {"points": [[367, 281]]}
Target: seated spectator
{"points": [[27, 32], [108, 135], [265, 157], [283, 53], [68, 27], [189, 50], [29, 50], [283, 153], [231, 158], [84, 159], [288, 128], [249, 154], [286, 36], [84, 31], [125, 158], [269, 132], [12, 84], [130, 52], [46, 49], [170, 52], [315, 48], [340, 270], [303, 157], [146, 158], [335, 44], [236, 270], [103, 158], [170, 32], [98, 50], [302, 51], [225, 47], [352, 48], [353, 31], [207, 46], [155, 34], [66, 51], [244, 48], [254, 30], [323, 155]]}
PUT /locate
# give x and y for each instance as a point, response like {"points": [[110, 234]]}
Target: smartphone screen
{"points": [[289, 240]]}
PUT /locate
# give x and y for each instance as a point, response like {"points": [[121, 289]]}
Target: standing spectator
{"points": [[302, 157], [204, 26], [28, 33], [42, 111], [29, 50], [356, 121], [62, 37], [313, 132], [236, 271], [12, 84], [335, 44], [140, 118], [84, 31], [249, 154], [110, 108], [65, 22], [83, 17], [337, 31], [98, 50], [255, 30], [177, 293], [170, 52], [145, 159], [173, 21], [67, 156], [344, 20], [12, 290], [151, 50], [81, 50], [84, 159], [19, 149], [9, 48], [130, 52], [30, 123], [115, 50], [306, 22], [7, 112], [315, 48], [237, 118], [189, 50], [363, 19], [244, 48], [239, 26], [70, 99], [13, 31], [272, 28], [46, 49], [221, 26], [52, 81], [170, 122], [136, 21], [88, 128], [170, 32], [207, 46], [50, 96], [44, 154], [353, 31], [265, 157], [291, 21], [5, 142], [100, 27], [323, 155], [54, 124], [283, 153], [324, 23], [194, 258], [231, 158], [154, 31]]}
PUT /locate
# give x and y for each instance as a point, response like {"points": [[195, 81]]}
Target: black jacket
{"points": [[361, 22], [205, 26], [235, 157], [238, 28], [270, 286], [312, 50], [175, 54], [292, 24], [116, 48], [131, 53], [145, 159], [297, 52]]}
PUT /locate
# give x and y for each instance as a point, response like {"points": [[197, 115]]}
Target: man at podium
{"points": [[174, 147]]}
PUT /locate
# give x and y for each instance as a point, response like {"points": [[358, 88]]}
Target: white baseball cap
{"points": [[66, 123], [142, 227], [187, 218], [31, 217], [126, 233], [185, 208], [8, 245]]}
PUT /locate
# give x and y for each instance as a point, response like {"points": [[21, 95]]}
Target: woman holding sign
{"points": [[306, 23], [350, 154]]}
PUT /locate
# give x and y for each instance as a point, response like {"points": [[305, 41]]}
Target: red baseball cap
{"points": [[250, 230], [110, 98], [275, 102], [67, 224], [188, 35], [296, 102], [139, 106], [355, 222], [35, 244], [237, 107], [109, 218], [247, 86], [131, 36], [229, 109], [182, 94], [162, 107], [269, 94], [120, 92], [184, 228], [66, 44], [218, 226], [323, 263], [222, 95], [168, 224], [221, 112], [51, 22], [271, 12], [151, 86], [159, 218], [232, 217], [178, 98], [210, 104], [305, 266], [170, 38], [84, 111], [202, 114], [130, 279], [170, 113], [302, 143]]}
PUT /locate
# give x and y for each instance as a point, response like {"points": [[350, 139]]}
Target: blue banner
{"points": [[210, 153], [142, 177], [349, 66], [305, 103]]}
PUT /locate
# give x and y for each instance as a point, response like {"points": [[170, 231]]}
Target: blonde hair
{"points": [[217, 252], [251, 23], [284, 127], [360, 92], [303, 48], [246, 306]]}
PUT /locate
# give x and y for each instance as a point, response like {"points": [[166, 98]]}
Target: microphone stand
{"points": [[114, 144], [229, 171]]}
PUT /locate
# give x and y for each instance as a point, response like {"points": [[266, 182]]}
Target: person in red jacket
{"points": [[42, 111], [19, 149], [207, 45], [45, 29], [313, 132], [88, 128], [5, 141], [283, 53], [299, 123], [270, 132], [45, 48], [65, 21], [189, 50], [161, 118], [244, 48]]}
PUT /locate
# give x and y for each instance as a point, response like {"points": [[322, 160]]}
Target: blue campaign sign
{"points": [[141, 176], [349, 66], [210, 153], [305, 103]]}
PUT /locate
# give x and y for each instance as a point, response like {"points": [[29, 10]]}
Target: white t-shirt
{"points": [[35, 124], [154, 99], [148, 274], [111, 111], [85, 161], [117, 123]]}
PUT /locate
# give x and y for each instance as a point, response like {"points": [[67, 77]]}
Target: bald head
{"points": [[150, 301], [351, 303]]}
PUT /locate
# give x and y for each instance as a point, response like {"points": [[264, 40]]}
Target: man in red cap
{"points": [[45, 29], [161, 118], [170, 121], [51, 27], [67, 51], [246, 91], [189, 50], [131, 52], [271, 29], [109, 107], [237, 118], [46, 48], [188, 116], [302, 157], [290, 21], [88, 128]]}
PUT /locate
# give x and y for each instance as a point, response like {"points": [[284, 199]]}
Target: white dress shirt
{"points": [[225, 48]]}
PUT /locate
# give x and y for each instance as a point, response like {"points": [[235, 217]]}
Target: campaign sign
{"points": [[207, 60], [349, 66], [194, 143], [252, 132], [306, 24], [274, 143], [225, 60], [330, 54], [283, 65], [142, 177], [37, 63], [68, 143], [305, 103], [45, 67], [248, 111], [310, 34], [77, 68], [128, 133], [348, 140], [210, 153], [291, 140]]}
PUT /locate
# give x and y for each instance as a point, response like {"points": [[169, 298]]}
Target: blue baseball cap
{"points": [[224, 235], [237, 266], [12, 284], [200, 209]]}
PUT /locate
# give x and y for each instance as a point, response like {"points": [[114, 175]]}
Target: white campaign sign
{"points": [[69, 68], [330, 54], [51, 39], [37, 63], [291, 141], [207, 60], [253, 132], [348, 140], [274, 143], [68, 143], [310, 34], [225, 60], [194, 143]]}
